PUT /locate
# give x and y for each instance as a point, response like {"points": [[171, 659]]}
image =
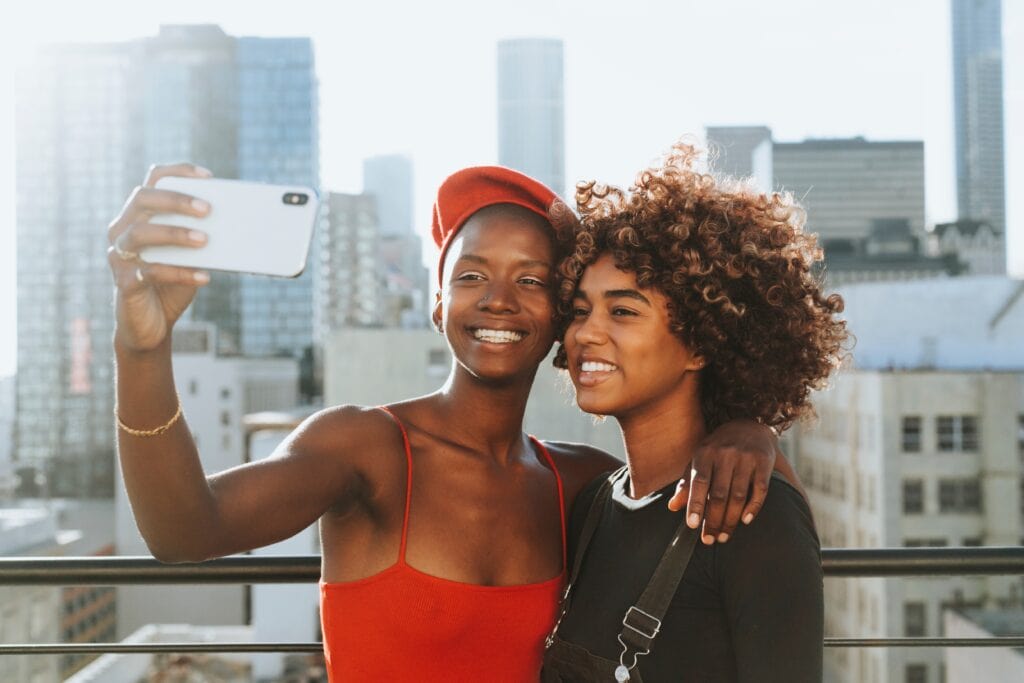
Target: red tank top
{"points": [[404, 625]]}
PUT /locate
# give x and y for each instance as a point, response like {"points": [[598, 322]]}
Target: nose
{"points": [[498, 297], [589, 330]]}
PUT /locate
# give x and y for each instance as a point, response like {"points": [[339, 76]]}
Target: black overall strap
{"points": [[589, 527], [643, 620]]}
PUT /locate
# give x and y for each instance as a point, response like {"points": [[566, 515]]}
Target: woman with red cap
{"points": [[442, 524]]}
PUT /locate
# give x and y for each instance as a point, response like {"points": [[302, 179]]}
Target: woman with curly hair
{"points": [[690, 301]]}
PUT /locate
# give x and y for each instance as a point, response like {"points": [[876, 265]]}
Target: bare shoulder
{"points": [[579, 463], [349, 436], [343, 425]]}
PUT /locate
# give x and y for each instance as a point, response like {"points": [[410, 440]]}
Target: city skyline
{"points": [[440, 108]]}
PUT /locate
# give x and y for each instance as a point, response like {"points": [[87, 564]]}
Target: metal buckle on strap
{"points": [[652, 623]]}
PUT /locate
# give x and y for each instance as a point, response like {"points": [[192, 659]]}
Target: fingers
{"points": [[141, 275], [739, 490], [678, 500], [758, 490], [158, 171], [718, 498], [147, 201], [700, 477], [149, 234]]}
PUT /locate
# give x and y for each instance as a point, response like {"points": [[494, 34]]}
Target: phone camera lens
{"points": [[295, 198]]}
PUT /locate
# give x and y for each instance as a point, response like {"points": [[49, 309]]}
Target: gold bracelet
{"points": [[150, 432]]}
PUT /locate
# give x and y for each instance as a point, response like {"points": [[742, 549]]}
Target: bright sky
{"points": [[420, 78]]}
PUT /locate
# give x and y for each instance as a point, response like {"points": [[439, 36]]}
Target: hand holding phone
{"points": [[251, 227]]}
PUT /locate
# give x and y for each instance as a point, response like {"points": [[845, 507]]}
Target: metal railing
{"points": [[837, 563]]}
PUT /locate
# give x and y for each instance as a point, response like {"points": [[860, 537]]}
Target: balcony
{"points": [[106, 571]]}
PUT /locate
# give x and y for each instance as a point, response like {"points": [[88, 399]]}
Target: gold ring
{"points": [[139, 276], [124, 254]]}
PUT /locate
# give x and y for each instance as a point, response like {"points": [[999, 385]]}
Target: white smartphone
{"points": [[251, 227]]}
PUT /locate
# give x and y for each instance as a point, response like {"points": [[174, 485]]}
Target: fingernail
{"points": [[203, 171], [200, 205], [708, 540], [197, 236], [748, 518], [201, 277], [692, 520], [723, 537]]}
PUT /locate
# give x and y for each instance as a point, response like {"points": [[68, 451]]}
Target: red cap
{"points": [[465, 192]]}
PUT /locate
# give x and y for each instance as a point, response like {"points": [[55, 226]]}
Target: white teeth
{"points": [[593, 366], [498, 336]]}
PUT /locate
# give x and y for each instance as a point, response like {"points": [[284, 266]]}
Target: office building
{"points": [[90, 119], [348, 290], [978, 111], [278, 142], [918, 444], [531, 109], [77, 158], [849, 185]]}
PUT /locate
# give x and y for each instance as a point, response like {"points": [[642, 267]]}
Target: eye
{"points": [[532, 281], [580, 311], [621, 311], [470, 276]]}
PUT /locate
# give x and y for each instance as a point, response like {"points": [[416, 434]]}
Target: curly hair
{"points": [[736, 267]]}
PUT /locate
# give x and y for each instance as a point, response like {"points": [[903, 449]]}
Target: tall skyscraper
{"points": [[91, 118], [245, 108], [388, 179], [978, 108], [77, 156], [531, 109], [278, 142]]}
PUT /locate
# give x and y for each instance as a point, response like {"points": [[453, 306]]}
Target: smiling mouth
{"points": [[595, 366], [497, 336], [593, 373]]}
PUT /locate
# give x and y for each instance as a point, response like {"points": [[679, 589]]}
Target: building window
{"points": [[914, 619], [912, 434], [971, 542], [959, 495], [957, 433], [916, 673], [193, 387], [225, 393], [913, 497]]}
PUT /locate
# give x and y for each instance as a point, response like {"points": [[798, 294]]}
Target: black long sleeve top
{"points": [[747, 610]]}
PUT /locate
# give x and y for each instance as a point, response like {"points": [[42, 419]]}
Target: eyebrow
{"points": [[523, 263], [616, 294]]}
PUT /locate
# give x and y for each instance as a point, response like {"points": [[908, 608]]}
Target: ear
{"points": [[697, 362], [438, 313]]}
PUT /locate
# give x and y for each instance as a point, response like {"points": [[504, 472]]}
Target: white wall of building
{"points": [[216, 393]]}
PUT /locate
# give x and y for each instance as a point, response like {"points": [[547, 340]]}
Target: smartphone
{"points": [[251, 227]]}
